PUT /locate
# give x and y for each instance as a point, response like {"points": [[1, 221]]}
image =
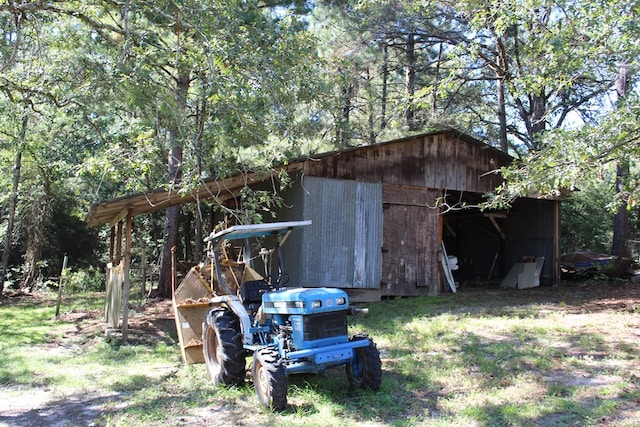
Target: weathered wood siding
{"points": [[410, 241], [440, 160]]}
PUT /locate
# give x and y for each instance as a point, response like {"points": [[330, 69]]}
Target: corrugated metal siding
{"points": [[342, 248]]}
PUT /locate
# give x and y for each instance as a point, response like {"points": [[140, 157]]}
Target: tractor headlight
{"points": [[316, 304], [286, 304], [341, 301]]}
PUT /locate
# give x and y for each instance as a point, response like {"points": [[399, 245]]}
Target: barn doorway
{"points": [[488, 243]]}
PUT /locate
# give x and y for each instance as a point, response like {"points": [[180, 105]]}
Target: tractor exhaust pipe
{"points": [[355, 310]]}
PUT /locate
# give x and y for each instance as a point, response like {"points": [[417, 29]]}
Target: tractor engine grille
{"points": [[325, 325]]}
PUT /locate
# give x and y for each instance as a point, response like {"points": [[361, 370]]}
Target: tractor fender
{"points": [[233, 303]]}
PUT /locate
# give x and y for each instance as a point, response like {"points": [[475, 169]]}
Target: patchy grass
{"points": [[546, 357]]}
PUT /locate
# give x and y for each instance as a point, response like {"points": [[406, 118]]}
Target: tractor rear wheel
{"points": [[365, 368], [224, 353], [270, 378]]}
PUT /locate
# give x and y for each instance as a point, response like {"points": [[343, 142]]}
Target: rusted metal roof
{"points": [[374, 159], [113, 210]]}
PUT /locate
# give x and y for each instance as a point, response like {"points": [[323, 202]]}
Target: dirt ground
{"points": [[573, 297], [154, 321]]}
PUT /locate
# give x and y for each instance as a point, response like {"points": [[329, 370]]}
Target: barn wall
{"points": [[441, 160], [406, 177]]}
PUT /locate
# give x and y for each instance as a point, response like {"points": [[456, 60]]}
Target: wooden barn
{"points": [[381, 214]]}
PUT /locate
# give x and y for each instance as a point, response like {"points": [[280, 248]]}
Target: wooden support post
{"points": [[127, 280], [60, 284], [555, 267], [174, 273], [112, 240], [143, 277], [440, 285], [118, 255]]}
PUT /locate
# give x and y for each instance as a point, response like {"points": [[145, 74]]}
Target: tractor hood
{"points": [[305, 301]]}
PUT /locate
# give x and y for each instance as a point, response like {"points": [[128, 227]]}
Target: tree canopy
{"points": [[104, 98]]}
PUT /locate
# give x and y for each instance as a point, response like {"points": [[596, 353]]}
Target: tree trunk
{"points": [[385, 79], [502, 109], [619, 244], [12, 205], [344, 134], [538, 118], [172, 214], [434, 97], [410, 81], [38, 218], [371, 106], [502, 115], [171, 229], [186, 221], [197, 250]]}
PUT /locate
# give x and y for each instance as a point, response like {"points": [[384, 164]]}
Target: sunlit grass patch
{"points": [[452, 361]]}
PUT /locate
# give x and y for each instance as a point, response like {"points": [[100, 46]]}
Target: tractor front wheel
{"points": [[270, 378], [224, 353], [365, 368]]}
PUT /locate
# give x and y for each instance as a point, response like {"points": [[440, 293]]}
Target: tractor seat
{"points": [[251, 291]]}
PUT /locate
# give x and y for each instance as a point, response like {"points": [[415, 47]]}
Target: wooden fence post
{"points": [[60, 284]]}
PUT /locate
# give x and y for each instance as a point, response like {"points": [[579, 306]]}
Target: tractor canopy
{"points": [[239, 232]]}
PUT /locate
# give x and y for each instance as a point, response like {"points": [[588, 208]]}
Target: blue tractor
{"points": [[286, 330]]}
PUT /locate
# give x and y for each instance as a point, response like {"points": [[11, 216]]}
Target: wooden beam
{"points": [[492, 218], [120, 216]]}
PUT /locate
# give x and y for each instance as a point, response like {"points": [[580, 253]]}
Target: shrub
{"points": [[86, 279]]}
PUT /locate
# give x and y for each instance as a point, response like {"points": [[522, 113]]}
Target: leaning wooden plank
{"points": [[539, 264], [113, 303], [446, 268]]}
